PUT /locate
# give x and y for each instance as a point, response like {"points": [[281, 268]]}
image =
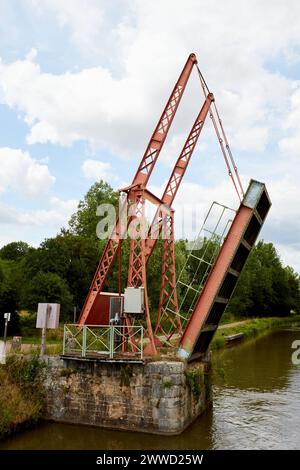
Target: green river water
{"points": [[256, 405]]}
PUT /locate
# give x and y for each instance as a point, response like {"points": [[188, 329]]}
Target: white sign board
{"points": [[48, 316]]}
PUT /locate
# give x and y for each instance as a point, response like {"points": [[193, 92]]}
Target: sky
{"points": [[83, 83]]}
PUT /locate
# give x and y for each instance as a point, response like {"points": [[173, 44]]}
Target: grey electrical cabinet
{"points": [[134, 300]]}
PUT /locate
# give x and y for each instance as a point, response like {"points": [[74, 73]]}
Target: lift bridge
{"points": [[118, 326]]}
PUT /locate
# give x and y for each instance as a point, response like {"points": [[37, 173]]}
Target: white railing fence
{"points": [[113, 341]]}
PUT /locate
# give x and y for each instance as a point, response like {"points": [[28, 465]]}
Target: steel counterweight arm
{"points": [[160, 133], [178, 173], [142, 176]]}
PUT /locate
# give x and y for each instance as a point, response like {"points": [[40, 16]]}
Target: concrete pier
{"points": [[160, 397]]}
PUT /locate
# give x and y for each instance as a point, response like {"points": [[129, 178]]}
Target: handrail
{"points": [[103, 340]]}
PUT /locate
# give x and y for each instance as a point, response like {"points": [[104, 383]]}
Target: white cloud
{"points": [[115, 104], [119, 113], [290, 255], [253, 139], [291, 144], [62, 109], [283, 223], [95, 170], [192, 204], [92, 30], [55, 216], [83, 18], [20, 172], [33, 226]]}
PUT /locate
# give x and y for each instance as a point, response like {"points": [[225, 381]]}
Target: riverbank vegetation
{"points": [[61, 268], [21, 394], [251, 328]]}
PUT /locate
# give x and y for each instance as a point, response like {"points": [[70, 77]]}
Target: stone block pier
{"points": [[160, 397]]}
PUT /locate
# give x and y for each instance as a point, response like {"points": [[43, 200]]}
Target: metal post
{"points": [[64, 342], [7, 317], [74, 314], [111, 341], [3, 352], [44, 332], [142, 342], [84, 341]]}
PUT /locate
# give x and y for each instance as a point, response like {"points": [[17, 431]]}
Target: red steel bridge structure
{"points": [[186, 329]]}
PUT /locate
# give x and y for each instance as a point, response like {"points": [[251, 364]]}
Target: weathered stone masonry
{"points": [[155, 397]]}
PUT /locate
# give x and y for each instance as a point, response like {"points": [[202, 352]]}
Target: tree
{"points": [[8, 297], [14, 251], [85, 220], [61, 269], [48, 287], [265, 287], [1, 275], [73, 258]]}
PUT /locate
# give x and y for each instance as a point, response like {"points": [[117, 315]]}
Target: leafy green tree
{"points": [[14, 251], [85, 219], [74, 258], [61, 269], [83, 258], [49, 287], [265, 288], [8, 297], [293, 280]]}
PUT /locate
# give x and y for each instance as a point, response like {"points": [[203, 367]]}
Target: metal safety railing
{"points": [[111, 341]]}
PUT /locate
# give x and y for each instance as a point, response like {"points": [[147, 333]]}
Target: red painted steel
{"points": [[137, 263], [168, 276], [141, 247], [167, 323], [160, 133], [142, 176], [178, 172]]}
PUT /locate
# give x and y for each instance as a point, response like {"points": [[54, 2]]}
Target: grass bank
{"points": [[251, 328], [21, 395]]}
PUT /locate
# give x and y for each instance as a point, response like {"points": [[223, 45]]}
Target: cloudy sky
{"points": [[83, 82]]}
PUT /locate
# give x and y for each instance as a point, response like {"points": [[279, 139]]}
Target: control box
{"points": [[134, 300]]}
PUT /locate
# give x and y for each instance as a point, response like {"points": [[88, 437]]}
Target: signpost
{"points": [[3, 343], [47, 317]]}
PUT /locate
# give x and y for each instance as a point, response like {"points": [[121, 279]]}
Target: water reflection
{"points": [[256, 406], [257, 403], [263, 364]]}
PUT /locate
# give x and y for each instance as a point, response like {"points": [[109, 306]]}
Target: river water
{"points": [[256, 406]]}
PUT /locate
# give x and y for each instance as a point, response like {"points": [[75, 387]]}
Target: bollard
{"points": [[16, 344]]}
